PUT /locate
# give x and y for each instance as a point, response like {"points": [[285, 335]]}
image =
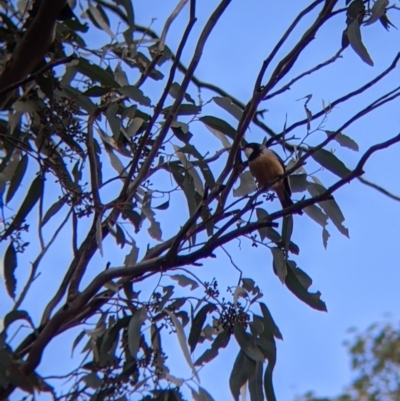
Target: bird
{"points": [[266, 166]]}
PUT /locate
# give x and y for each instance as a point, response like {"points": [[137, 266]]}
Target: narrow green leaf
{"points": [[227, 104], [270, 327], [185, 281], [377, 10], [247, 344], [92, 380], [163, 206], [10, 264], [135, 94], [345, 141], [99, 235], [243, 369], [331, 162], [279, 264], [15, 315], [131, 257], [134, 327], [17, 177], [296, 281], [221, 341], [298, 182], [97, 91], [330, 207], [94, 72], [256, 384], [246, 186], [219, 128], [197, 325], [272, 234], [317, 215], [325, 237], [354, 35], [77, 340], [287, 230], [53, 209], [182, 342], [185, 109], [127, 4], [101, 19], [34, 193]]}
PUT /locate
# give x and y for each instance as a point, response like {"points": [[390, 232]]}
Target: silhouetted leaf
{"points": [[162, 206], [97, 91], [134, 127], [10, 264], [330, 207], [247, 185], [77, 340], [298, 282], [384, 20], [185, 281], [279, 263], [344, 140], [94, 72], [185, 109], [325, 237], [92, 380], [15, 315], [272, 234], [34, 193], [127, 4], [287, 230], [182, 342], [135, 94], [221, 341], [331, 162], [270, 327], [197, 325], [99, 235], [227, 104], [134, 327], [247, 344], [53, 209], [317, 215], [17, 177], [221, 129], [256, 384], [188, 166], [377, 10], [354, 36], [298, 182], [131, 257], [101, 19], [243, 369]]}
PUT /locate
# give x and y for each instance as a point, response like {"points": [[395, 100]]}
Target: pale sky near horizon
{"points": [[358, 277]]}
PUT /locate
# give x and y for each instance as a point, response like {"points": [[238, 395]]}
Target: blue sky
{"points": [[358, 277]]}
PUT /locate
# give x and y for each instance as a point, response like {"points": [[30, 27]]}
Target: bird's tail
{"points": [[285, 198]]}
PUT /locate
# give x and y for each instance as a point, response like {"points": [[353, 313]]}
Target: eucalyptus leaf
{"points": [[17, 177], [134, 330], [354, 36], [10, 264]]}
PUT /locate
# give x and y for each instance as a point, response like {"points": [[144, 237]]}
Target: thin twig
{"points": [[34, 75]]}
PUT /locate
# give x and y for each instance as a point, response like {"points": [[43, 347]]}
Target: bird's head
{"points": [[252, 149]]}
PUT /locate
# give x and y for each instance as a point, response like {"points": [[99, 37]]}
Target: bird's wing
{"points": [[286, 181]]}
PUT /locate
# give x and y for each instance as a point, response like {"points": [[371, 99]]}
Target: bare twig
{"points": [[36, 263]]}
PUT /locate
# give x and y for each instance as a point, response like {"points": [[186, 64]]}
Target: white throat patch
{"points": [[248, 152]]}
